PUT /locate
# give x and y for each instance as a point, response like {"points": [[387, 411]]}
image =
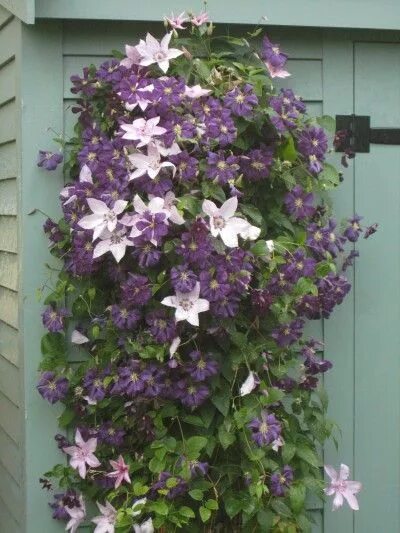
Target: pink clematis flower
{"points": [[149, 164], [121, 471], [105, 523], [226, 225], [103, 217], [82, 454], [277, 72], [341, 487], [277, 443], [112, 241], [142, 130], [77, 516], [196, 91], [188, 305], [153, 51], [199, 20], [177, 22], [132, 57]]}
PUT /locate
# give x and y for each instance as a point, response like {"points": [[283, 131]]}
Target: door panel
{"points": [[377, 296]]}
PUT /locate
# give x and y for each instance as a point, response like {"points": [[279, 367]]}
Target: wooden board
{"points": [[341, 13], [9, 233], [9, 270], [9, 343], [8, 160], [8, 197], [9, 307]]}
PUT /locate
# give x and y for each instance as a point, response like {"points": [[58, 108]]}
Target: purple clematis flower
{"points": [[281, 481], [49, 160], [53, 388], [241, 101], [265, 429], [53, 319], [201, 367], [299, 204]]}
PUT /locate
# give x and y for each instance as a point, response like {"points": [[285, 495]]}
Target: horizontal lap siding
{"points": [[11, 494]]}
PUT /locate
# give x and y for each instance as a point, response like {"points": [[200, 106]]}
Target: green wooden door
{"points": [[365, 334]]}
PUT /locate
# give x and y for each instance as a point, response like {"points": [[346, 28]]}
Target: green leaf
{"points": [[288, 151], [190, 203], [212, 505], [259, 249], [196, 494], [202, 69], [281, 508], [233, 506], [156, 465], [53, 344], [204, 513], [329, 177], [194, 445], [297, 497], [328, 123], [186, 512], [253, 213], [221, 400], [225, 437], [308, 455], [288, 451], [159, 507], [212, 190], [67, 416], [265, 519]]}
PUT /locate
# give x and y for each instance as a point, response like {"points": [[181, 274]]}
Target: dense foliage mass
{"points": [[196, 241]]}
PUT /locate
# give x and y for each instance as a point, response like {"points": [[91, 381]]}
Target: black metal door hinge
{"points": [[354, 134]]}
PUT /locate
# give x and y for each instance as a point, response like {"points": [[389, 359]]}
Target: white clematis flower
{"points": [[78, 338], [144, 527], [249, 384], [153, 51], [224, 223], [188, 305], [114, 242], [149, 164], [103, 217], [169, 205], [85, 176], [142, 130]]}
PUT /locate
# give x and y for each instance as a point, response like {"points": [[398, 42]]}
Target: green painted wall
{"points": [[331, 72]]}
